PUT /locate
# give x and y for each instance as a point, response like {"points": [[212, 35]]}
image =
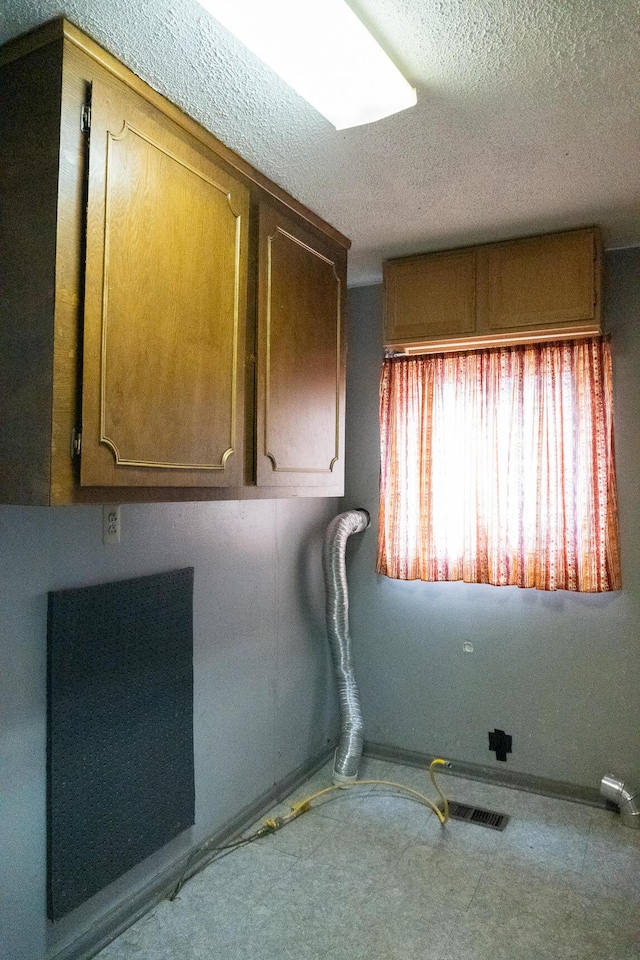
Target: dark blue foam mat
{"points": [[119, 729]]}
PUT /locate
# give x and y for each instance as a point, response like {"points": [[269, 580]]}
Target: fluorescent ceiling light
{"points": [[324, 52]]}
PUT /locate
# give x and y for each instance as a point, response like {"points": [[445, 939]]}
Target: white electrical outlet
{"points": [[111, 524]]}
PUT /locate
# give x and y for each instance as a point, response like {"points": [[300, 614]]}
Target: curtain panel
{"points": [[497, 466]]}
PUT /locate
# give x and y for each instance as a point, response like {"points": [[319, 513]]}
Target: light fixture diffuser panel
{"points": [[322, 50]]}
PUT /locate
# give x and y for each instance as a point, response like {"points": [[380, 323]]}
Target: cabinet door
{"points": [[430, 297], [300, 362], [165, 303], [546, 282]]}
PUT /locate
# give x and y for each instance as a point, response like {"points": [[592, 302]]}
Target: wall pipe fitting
{"points": [[627, 801], [349, 749]]}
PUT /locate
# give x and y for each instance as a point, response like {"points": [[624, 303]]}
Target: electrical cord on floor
{"points": [[273, 824], [224, 849]]}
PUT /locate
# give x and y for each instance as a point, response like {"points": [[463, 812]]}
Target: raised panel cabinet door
{"points": [[430, 297], [543, 282], [165, 303], [300, 361]]}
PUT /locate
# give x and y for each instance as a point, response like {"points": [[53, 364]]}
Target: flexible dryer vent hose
{"points": [[349, 749]]}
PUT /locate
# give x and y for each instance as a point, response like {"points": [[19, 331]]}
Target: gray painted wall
{"points": [[558, 671], [264, 696]]}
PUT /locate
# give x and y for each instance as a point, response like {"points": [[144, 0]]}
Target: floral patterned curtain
{"points": [[498, 467]]}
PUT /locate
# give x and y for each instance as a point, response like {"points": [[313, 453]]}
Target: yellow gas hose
{"points": [[303, 806], [271, 824]]}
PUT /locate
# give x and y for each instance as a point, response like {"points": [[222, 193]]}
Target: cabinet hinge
{"points": [[85, 118], [76, 443]]}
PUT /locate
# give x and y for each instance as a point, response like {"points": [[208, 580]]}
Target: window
{"points": [[498, 467]]}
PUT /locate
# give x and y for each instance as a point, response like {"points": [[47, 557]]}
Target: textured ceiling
{"points": [[528, 115]]}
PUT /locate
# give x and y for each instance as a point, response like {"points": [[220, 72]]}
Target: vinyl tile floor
{"points": [[371, 874]]}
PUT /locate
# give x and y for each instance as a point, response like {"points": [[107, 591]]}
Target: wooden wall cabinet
{"points": [[431, 295], [133, 268], [538, 288], [300, 382], [164, 304]]}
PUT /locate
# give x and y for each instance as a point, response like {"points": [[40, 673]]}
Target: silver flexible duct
{"points": [[349, 749], [627, 801]]}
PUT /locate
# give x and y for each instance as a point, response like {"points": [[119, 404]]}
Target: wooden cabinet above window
{"points": [[171, 319], [539, 288]]}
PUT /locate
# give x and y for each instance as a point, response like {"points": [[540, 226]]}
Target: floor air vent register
{"points": [[119, 729], [478, 815]]}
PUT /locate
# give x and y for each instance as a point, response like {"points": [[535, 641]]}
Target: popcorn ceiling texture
{"points": [[528, 115]]}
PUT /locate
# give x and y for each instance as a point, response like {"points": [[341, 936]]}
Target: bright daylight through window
{"points": [[498, 467]]}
